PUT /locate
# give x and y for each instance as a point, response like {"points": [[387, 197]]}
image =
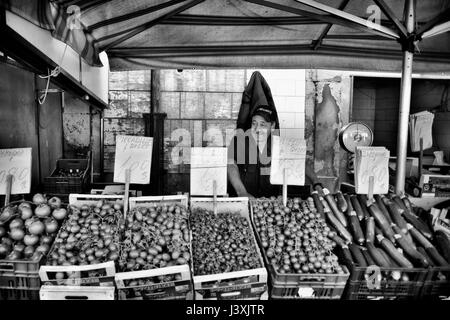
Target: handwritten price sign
{"points": [[208, 164], [289, 154], [134, 153], [16, 162], [372, 161]]}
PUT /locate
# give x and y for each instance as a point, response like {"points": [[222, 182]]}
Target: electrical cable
{"points": [[53, 73]]}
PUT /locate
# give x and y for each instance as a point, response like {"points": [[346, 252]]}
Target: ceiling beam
{"points": [[189, 51], [350, 17], [391, 16], [440, 18], [441, 28], [325, 18], [318, 42], [150, 24], [238, 21], [133, 15]]}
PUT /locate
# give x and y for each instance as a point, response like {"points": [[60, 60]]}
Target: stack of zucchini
{"points": [[384, 232]]}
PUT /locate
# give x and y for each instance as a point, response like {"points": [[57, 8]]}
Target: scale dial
{"points": [[355, 134]]}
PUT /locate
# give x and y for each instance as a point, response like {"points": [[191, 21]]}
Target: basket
{"points": [[247, 284], [64, 185], [437, 284], [302, 286], [143, 286]]}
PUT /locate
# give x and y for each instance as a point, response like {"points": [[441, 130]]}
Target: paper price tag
{"points": [[305, 292]]}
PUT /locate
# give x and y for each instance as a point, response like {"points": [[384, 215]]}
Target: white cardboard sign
{"points": [[372, 161], [16, 162], [208, 164], [134, 153], [289, 154]]}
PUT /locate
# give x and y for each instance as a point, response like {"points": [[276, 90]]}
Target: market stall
{"points": [[363, 242]]}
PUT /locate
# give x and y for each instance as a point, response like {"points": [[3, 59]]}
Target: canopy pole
{"points": [[405, 102]]}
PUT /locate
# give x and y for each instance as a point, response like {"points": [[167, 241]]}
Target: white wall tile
{"points": [[292, 133]]}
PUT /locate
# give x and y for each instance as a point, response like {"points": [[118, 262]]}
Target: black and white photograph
{"points": [[205, 153]]}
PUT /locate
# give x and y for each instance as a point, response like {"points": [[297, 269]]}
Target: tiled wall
{"points": [[129, 98], [209, 100]]}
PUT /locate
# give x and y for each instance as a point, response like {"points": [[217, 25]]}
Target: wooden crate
{"points": [[78, 200], [76, 293], [246, 284], [178, 289]]}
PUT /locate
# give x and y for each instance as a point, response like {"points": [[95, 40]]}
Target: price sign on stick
{"points": [[372, 162], [288, 155], [208, 165], [17, 163], [134, 153]]}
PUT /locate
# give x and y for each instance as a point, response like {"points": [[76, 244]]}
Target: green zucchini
{"points": [[357, 207], [341, 201], [318, 203], [357, 255], [443, 242], [338, 226], [396, 214], [334, 208], [370, 229], [390, 249], [381, 221], [379, 259], [383, 208], [418, 224], [425, 254], [392, 263], [367, 256], [355, 227], [416, 257], [363, 202], [347, 255]]}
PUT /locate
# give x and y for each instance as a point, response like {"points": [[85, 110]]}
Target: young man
{"points": [[249, 158]]}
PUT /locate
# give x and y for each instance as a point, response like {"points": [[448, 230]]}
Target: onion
{"points": [[37, 228], [42, 210], [17, 234], [43, 248], [39, 199], [14, 255], [46, 239], [6, 214], [19, 247], [24, 205], [55, 202], [59, 214]]}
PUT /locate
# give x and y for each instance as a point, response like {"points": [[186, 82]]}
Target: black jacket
{"points": [[256, 93]]}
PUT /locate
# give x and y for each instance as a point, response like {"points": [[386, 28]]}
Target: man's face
{"points": [[261, 129]]}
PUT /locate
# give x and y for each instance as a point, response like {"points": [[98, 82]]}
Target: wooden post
{"points": [[420, 157], [370, 195], [284, 187], [8, 189], [215, 196], [127, 192]]}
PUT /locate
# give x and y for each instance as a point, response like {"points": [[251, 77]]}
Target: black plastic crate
{"points": [[308, 290], [437, 283], [19, 294], [64, 185], [363, 284]]}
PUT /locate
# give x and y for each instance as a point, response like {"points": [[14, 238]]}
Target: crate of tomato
{"points": [[27, 229], [227, 263], [82, 261], [155, 251], [297, 250], [69, 176]]}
